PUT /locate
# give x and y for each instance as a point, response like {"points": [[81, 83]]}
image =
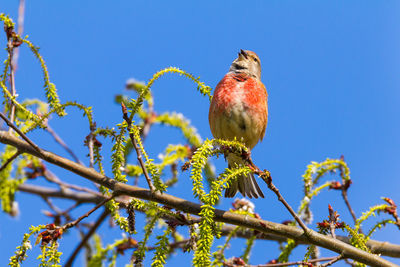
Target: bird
{"points": [[239, 110]]}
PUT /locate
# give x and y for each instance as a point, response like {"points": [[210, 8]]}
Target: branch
{"points": [[9, 160], [64, 193], [59, 140], [51, 177], [336, 259], [376, 247], [300, 263], [266, 176], [263, 226], [9, 123], [10, 48], [72, 224], [84, 240], [137, 149], [21, 18]]}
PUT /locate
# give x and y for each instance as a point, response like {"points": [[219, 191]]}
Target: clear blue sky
{"points": [[331, 70]]}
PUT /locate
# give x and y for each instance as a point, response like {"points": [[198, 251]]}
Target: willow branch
{"points": [[376, 247], [51, 177], [266, 176], [9, 160], [137, 149], [85, 239], [59, 140], [300, 263], [263, 226], [11, 124], [336, 259], [72, 224], [21, 19], [10, 49]]}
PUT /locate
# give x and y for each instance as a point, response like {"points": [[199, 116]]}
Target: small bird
{"points": [[239, 109]]}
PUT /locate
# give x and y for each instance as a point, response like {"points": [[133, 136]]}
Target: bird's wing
{"points": [[266, 111]]}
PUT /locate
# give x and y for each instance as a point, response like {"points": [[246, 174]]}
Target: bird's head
{"points": [[247, 62]]}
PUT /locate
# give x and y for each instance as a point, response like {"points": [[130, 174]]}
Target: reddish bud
{"points": [[239, 261], [185, 166], [130, 243], [51, 234], [323, 224], [389, 201], [335, 185], [340, 225]]}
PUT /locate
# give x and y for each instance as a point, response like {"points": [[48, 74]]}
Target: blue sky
{"points": [[331, 70]]}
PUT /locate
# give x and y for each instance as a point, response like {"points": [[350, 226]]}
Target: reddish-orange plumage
{"points": [[239, 110], [247, 90]]}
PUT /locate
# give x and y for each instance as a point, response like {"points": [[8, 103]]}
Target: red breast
{"points": [[239, 109]]}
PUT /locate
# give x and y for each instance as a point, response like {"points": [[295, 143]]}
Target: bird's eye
{"points": [[255, 59]]}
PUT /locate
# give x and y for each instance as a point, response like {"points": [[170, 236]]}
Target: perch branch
{"points": [[263, 226], [377, 247]]}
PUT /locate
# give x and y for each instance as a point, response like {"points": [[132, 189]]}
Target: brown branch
{"points": [[72, 224], [336, 259], [8, 161], [294, 262], [21, 18], [376, 247], [346, 200], [263, 226], [85, 239], [10, 48], [59, 140], [9, 123], [64, 193], [266, 176], [137, 149], [90, 144], [51, 177]]}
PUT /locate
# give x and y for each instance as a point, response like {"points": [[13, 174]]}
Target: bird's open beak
{"points": [[242, 54]]}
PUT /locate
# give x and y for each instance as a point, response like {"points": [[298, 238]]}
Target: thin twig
{"points": [[58, 139], [9, 123], [72, 224], [90, 143], [336, 259], [52, 206], [344, 187], [135, 145], [10, 48], [85, 239], [8, 161], [51, 177], [266, 176], [346, 200], [21, 18], [294, 262], [91, 154], [333, 220], [58, 211]]}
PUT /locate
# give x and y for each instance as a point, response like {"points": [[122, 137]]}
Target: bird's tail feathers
{"points": [[245, 184]]}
